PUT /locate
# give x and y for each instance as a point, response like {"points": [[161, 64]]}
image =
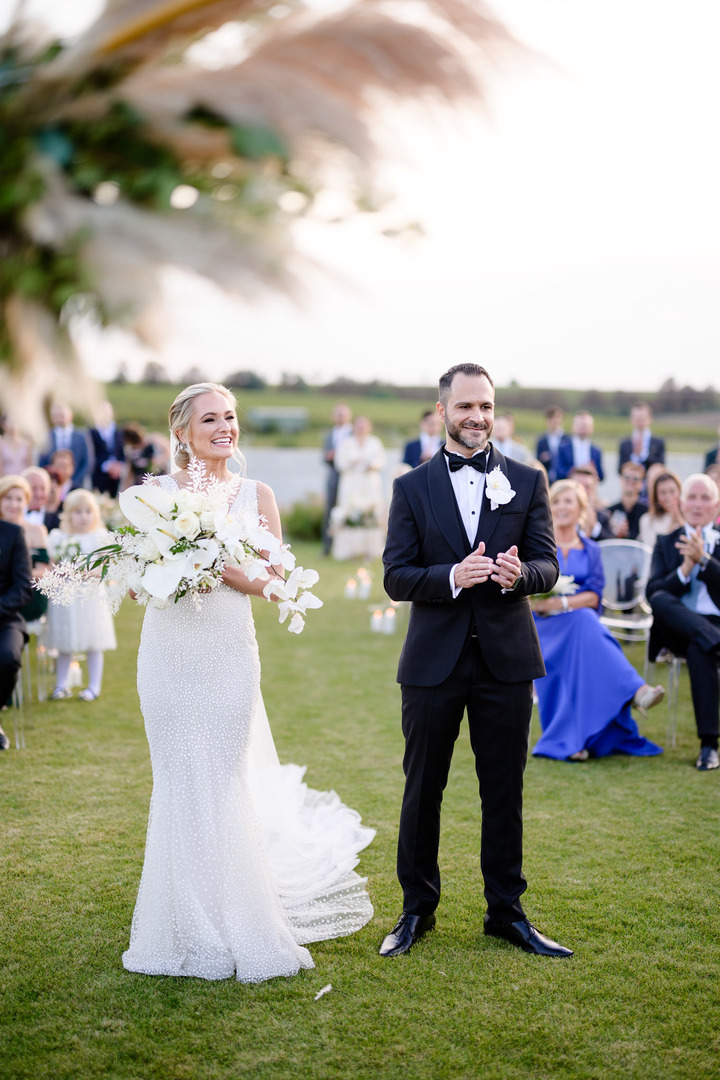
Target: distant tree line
{"points": [[669, 398]]}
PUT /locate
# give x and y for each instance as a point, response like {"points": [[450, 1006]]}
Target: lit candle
{"points": [[377, 622], [351, 588], [389, 621], [364, 586]]}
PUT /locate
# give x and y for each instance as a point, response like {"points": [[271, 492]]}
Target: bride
{"points": [[244, 865]]}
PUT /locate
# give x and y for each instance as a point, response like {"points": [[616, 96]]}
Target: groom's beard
{"points": [[471, 436]]}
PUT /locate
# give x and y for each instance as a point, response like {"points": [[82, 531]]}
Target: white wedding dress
{"points": [[244, 864]]}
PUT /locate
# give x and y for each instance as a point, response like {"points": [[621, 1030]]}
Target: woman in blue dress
{"points": [[584, 700]]}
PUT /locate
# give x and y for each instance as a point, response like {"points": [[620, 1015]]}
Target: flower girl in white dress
{"points": [[244, 865], [86, 625]]}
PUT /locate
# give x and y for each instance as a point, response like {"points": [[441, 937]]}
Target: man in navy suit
{"points": [[15, 591], [108, 452], [469, 539], [549, 444], [684, 593], [63, 436], [342, 427], [642, 447], [579, 448], [429, 442]]}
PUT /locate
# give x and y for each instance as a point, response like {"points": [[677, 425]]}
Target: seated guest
{"points": [[625, 515], [642, 447], [579, 448], [548, 444], [53, 507], [664, 515], [40, 488], [15, 590], [711, 458], [684, 593], [429, 442], [596, 519], [15, 497], [584, 699]]}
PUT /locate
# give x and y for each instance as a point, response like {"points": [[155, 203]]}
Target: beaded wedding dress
{"points": [[244, 864]]}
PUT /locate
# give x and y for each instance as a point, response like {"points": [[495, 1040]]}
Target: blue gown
{"points": [[584, 700]]}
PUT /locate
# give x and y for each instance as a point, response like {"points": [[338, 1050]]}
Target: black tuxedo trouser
{"points": [[12, 641], [499, 721], [696, 637]]}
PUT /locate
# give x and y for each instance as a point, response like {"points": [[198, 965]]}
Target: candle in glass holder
{"points": [[389, 621], [351, 588], [377, 621]]}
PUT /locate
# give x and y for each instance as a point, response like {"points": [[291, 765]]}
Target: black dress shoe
{"points": [[707, 759], [525, 935], [409, 929]]}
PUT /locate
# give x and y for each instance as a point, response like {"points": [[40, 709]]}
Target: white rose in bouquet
{"points": [[187, 524]]}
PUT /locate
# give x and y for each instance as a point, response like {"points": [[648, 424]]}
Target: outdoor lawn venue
{"points": [[279, 266], [622, 859]]}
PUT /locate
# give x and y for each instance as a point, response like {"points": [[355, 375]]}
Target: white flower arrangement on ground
{"points": [[177, 543]]}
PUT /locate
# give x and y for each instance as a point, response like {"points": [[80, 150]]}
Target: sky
{"points": [[571, 230]]}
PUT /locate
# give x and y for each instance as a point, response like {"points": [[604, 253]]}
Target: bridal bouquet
{"points": [[177, 543]]}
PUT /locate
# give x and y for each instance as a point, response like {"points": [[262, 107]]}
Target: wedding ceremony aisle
{"points": [[622, 857]]}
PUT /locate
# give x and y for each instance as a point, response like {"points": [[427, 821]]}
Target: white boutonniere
{"points": [[712, 536], [497, 488]]}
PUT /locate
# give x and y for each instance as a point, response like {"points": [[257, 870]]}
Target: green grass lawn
{"points": [[622, 859]]}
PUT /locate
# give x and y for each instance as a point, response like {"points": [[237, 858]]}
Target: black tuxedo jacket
{"points": [[665, 562], [426, 538], [15, 581], [656, 452]]}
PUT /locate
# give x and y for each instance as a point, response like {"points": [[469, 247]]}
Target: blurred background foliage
{"points": [[150, 142]]}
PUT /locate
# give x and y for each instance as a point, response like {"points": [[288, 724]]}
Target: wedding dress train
{"points": [[244, 864]]}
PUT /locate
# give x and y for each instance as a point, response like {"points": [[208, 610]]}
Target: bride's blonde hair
{"points": [[180, 415]]}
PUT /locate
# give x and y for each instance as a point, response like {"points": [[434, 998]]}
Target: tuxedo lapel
{"points": [[444, 506], [489, 518]]}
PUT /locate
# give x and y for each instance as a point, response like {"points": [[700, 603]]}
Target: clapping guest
{"points": [[15, 497], [584, 699], [684, 594], [664, 514]]}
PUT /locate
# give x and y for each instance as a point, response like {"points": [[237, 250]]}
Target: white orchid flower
{"points": [[297, 624], [497, 488], [144, 504]]}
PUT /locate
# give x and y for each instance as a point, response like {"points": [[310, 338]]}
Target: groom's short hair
{"points": [[460, 369]]}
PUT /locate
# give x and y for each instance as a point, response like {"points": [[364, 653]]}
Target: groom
{"points": [[469, 539]]}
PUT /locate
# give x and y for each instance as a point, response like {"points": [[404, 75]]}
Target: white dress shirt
{"points": [[581, 451], [468, 487], [699, 599]]}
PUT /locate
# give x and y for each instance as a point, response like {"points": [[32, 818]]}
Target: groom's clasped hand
{"points": [[477, 567]]}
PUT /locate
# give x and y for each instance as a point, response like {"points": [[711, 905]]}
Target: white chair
{"points": [[625, 611]]}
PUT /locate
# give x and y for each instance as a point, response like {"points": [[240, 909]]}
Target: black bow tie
{"points": [[457, 461]]}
